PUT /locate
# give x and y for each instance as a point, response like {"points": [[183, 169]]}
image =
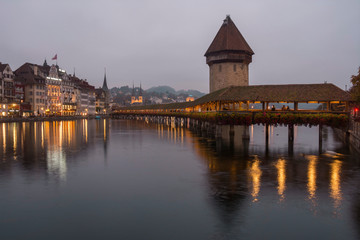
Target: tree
{"points": [[355, 89]]}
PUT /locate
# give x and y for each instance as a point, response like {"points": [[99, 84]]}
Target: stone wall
{"points": [[228, 74], [354, 138]]}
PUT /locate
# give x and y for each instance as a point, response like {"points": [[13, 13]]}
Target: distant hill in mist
{"points": [[167, 89]]}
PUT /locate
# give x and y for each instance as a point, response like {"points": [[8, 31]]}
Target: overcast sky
{"points": [[162, 42]]}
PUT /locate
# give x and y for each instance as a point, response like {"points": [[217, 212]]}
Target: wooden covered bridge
{"points": [[239, 98], [231, 106]]}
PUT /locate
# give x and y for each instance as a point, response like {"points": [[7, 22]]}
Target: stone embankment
{"points": [[354, 132], [57, 118], [351, 136]]}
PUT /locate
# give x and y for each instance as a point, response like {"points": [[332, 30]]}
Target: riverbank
{"points": [[49, 119], [352, 136]]}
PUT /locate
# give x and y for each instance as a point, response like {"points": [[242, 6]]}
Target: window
{"points": [[219, 68], [234, 67], [30, 93]]}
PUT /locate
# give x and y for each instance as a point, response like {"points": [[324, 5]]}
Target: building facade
{"points": [[137, 96], [49, 90], [7, 89]]}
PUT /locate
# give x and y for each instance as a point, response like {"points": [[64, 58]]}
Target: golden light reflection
{"points": [[60, 134], [335, 184], [168, 132], [175, 134], [4, 136], [281, 177], [69, 129], [35, 133], [86, 130], [255, 176], [252, 134], [15, 138], [162, 131], [182, 135], [22, 135], [105, 130], [311, 176]]}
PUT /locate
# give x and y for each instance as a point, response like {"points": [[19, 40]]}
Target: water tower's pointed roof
{"points": [[229, 38]]}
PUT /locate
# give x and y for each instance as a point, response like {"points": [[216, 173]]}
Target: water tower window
{"points": [[234, 67], [219, 68]]}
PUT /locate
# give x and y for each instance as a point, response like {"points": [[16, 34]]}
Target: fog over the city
{"points": [[161, 42]]}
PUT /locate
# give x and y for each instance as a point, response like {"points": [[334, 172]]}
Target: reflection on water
{"points": [[250, 188], [281, 177], [311, 185], [36, 143], [255, 175], [335, 182]]}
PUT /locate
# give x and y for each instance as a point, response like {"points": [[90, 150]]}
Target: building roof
{"points": [[105, 87], [279, 93], [3, 66], [26, 72], [229, 38]]}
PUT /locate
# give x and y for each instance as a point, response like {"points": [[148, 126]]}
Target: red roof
{"points": [[229, 38]]}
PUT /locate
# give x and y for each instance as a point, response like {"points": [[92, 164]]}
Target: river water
{"points": [[128, 179]]}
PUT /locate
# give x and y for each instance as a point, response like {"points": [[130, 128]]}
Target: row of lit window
{"points": [[37, 93]]}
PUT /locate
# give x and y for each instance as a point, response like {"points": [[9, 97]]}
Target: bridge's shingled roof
{"points": [[280, 93], [263, 93]]}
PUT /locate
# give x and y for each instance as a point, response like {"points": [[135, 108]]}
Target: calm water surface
{"points": [[118, 179]]}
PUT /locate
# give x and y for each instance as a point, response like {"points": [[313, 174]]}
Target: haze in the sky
{"points": [[162, 42]]}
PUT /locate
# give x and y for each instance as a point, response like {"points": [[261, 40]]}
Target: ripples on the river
{"points": [[145, 176]]}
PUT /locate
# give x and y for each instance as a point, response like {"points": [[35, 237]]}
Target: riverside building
{"points": [[44, 90]]}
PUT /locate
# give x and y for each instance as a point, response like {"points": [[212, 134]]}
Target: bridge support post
{"points": [[246, 134], [291, 133], [218, 132], [231, 133], [320, 138], [291, 139], [266, 139]]}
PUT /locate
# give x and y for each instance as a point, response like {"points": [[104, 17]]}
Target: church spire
{"points": [[105, 87]]}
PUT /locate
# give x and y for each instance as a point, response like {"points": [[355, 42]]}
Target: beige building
{"points": [[228, 57]]}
